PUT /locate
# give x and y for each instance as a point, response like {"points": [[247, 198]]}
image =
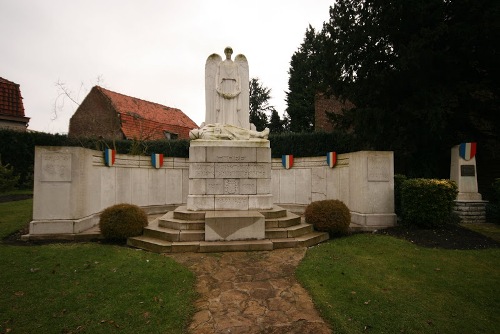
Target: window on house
{"points": [[170, 135]]}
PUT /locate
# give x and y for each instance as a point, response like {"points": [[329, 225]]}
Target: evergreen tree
{"points": [[303, 84], [423, 75], [259, 104], [276, 124]]}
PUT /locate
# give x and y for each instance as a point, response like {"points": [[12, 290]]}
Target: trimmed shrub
{"points": [[331, 216], [493, 207], [428, 203], [8, 181], [121, 221], [398, 183]]}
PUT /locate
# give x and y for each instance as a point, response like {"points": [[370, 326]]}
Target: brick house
{"points": [[324, 104], [11, 107], [116, 116]]}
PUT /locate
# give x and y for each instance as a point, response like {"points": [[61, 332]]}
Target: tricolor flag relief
{"points": [[467, 150], [109, 157], [287, 161], [331, 159], [157, 160]]}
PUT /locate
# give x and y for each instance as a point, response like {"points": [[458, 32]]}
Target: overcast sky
{"points": [[154, 50]]}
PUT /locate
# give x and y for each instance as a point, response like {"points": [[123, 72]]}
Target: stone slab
{"points": [[231, 202], [231, 154], [230, 143], [234, 225]]}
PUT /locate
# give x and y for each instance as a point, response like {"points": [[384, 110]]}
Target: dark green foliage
{"points": [[311, 144], [331, 216], [398, 183], [276, 124], [423, 76], [121, 221], [303, 84], [428, 203], [259, 104], [8, 181], [18, 149], [493, 207]]}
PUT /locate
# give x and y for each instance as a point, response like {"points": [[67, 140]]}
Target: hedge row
{"points": [[426, 203], [17, 148]]}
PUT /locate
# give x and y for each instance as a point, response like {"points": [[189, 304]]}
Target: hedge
{"points": [[428, 203], [18, 148]]}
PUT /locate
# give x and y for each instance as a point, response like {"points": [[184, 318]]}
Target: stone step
{"points": [[153, 230], [168, 221], [312, 239], [184, 214], [290, 219], [275, 212], [288, 232], [235, 246], [150, 244]]}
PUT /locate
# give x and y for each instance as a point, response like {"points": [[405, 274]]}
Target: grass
{"points": [[487, 229], [380, 284], [14, 216], [88, 288]]}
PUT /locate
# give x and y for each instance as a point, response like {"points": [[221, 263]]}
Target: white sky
{"points": [[154, 50]]}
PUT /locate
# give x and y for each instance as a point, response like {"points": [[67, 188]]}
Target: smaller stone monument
{"points": [[469, 204]]}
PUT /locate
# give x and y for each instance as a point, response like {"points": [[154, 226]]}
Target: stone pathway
{"points": [[251, 292]]}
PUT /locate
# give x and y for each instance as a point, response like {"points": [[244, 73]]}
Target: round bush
{"points": [[331, 216], [121, 221]]}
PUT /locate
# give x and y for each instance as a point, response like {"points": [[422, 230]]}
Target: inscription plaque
{"points": [[56, 167], [231, 171], [231, 187], [467, 170], [201, 170], [215, 187], [378, 169], [248, 186], [259, 171]]}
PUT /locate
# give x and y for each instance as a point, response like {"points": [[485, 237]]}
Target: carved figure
{"points": [[219, 131], [226, 90]]}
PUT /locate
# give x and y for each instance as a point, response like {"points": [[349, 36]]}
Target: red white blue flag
{"points": [[287, 161], [109, 157], [157, 160], [467, 150], [331, 159]]}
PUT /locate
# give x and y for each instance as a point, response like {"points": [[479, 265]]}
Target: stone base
{"points": [[370, 222], [234, 225], [471, 211], [469, 197]]}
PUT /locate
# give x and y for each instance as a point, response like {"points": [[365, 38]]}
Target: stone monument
{"points": [[229, 163], [469, 204]]}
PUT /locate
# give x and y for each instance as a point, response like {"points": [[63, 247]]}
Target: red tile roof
{"points": [[148, 120], [11, 101]]}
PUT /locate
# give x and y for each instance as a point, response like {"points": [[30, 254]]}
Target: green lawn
{"points": [[380, 284], [88, 288]]}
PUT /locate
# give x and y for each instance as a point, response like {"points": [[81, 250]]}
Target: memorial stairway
{"points": [[182, 230]]}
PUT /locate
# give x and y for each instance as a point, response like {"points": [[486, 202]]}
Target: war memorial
{"points": [[229, 195]]}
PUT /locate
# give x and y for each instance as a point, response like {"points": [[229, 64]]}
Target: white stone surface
{"points": [[231, 202], [231, 170], [215, 186], [198, 186], [197, 154], [260, 202], [467, 185], [227, 90], [174, 183], [201, 170], [234, 225], [200, 202], [231, 154]]}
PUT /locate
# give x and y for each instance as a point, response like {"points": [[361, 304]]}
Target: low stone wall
{"points": [[72, 186]]}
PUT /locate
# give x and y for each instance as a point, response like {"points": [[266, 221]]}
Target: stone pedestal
{"points": [[229, 175], [464, 173]]}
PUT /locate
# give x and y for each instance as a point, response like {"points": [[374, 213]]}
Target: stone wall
{"points": [[72, 186]]}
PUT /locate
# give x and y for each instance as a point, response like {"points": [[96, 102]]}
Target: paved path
{"points": [[251, 292]]}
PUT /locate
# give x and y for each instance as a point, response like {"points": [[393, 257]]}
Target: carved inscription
{"points": [[231, 202], [201, 170], [231, 187], [378, 169], [259, 171], [467, 170], [230, 154], [248, 186], [215, 187], [56, 167], [231, 171]]}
